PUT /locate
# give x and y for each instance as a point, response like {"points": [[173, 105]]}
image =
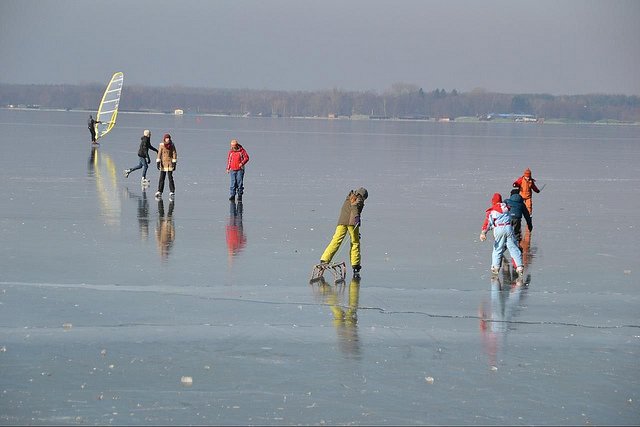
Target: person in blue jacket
{"points": [[517, 209]]}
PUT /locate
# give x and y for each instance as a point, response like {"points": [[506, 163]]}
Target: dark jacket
{"points": [[145, 146], [351, 209], [517, 209]]}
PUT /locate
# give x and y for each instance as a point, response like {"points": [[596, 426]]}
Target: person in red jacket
{"points": [[527, 185], [236, 160]]}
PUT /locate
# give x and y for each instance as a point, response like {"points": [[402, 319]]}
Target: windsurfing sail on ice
{"points": [[108, 110]]}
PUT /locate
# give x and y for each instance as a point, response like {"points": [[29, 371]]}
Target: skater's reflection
{"points": [[143, 212], [345, 313], [165, 230], [496, 314], [91, 166], [236, 239]]}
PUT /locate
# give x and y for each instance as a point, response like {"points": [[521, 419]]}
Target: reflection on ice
{"points": [[143, 212], [103, 169], [345, 311], [236, 239], [497, 312], [165, 230]]}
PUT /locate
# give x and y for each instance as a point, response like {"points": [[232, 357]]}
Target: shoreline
{"points": [[462, 119]]}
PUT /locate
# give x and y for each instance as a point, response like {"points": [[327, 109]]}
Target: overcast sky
{"points": [[515, 46]]}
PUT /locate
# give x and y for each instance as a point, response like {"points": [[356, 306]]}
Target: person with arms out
{"points": [[166, 163], [348, 222], [527, 186], [517, 210], [236, 160], [497, 218], [143, 157], [92, 128]]}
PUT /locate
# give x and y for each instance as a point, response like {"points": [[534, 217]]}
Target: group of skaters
{"points": [[504, 217], [167, 161]]}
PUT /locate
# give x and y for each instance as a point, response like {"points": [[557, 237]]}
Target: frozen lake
{"points": [[108, 297]]}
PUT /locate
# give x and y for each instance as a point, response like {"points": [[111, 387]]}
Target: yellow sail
{"points": [[108, 110]]}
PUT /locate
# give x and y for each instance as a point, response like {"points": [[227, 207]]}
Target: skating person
{"points": [[166, 164], [143, 157], [526, 185], [517, 210], [236, 160], [348, 221], [497, 218], [92, 128]]}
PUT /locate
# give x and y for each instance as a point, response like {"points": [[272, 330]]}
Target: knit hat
{"points": [[497, 198], [527, 172], [166, 135], [146, 132], [362, 192]]}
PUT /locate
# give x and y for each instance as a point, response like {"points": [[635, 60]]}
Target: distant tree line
{"points": [[402, 100]]}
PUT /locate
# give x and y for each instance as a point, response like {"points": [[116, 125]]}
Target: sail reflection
{"points": [[102, 168], [165, 230], [343, 301]]}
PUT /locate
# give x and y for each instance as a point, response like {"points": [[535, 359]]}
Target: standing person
{"points": [[91, 123], [526, 184], [237, 158], [517, 210], [497, 218], [348, 221], [166, 164], [143, 157]]}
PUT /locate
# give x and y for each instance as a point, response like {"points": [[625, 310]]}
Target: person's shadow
{"points": [[165, 230], [236, 239], [345, 312]]}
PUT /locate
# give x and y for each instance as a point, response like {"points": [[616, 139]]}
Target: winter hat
{"points": [[146, 132], [515, 190], [497, 198], [362, 192], [166, 135], [527, 172]]}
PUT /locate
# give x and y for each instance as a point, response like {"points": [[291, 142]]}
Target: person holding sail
{"points": [[92, 128]]}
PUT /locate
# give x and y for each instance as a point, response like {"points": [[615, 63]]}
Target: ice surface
{"points": [[110, 299]]}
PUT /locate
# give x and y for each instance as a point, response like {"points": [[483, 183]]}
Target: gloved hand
{"points": [[483, 236], [357, 220], [531, 228], [175, 165], [148, 160], [158, 164]]}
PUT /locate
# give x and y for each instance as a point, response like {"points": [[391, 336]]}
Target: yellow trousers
{"points": [[336, 241]]}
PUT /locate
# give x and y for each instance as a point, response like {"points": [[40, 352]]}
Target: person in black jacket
{"points": [[143, 157], [91, 124]]}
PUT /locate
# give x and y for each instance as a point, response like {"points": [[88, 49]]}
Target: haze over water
{"points": [[109, 297]]}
